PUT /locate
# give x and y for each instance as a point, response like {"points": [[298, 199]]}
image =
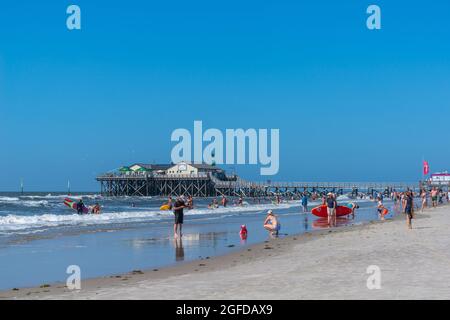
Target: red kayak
{"points": [[321, 211]]}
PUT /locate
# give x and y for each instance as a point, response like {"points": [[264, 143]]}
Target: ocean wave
{"points": [[61, 196], [17, 222], [26, 203], [9, 199], [39, 203], [14, 222]]}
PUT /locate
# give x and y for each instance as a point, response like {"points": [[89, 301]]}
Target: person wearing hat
{"points": [[271, 223], [179, 215]]}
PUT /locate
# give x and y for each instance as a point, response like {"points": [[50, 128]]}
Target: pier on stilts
{"points": [[208, 185]]}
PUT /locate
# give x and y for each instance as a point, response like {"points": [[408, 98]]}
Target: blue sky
{"points": [[350, 103]]}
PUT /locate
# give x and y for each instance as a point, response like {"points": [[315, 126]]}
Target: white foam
{"points": [[61, 196], [14, 222], [25, 203], [17, 222], [9, 199]]}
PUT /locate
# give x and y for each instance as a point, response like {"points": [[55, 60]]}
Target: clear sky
{"points": [[351, 104]]}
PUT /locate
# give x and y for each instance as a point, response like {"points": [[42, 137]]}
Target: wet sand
{"points": [[328, 264]]}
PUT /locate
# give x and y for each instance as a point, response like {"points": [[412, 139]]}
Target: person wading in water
{"points": [[179, 215]]}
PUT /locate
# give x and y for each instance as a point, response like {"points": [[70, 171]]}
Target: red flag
{"points": [[426, 168]]}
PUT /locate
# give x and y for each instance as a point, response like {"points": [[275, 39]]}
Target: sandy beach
{"points": [[328, 264]]}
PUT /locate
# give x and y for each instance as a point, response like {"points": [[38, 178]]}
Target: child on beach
{"points": [[381, 209]]}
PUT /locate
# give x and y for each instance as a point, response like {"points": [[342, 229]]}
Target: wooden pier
{"points": [[207, 185]]}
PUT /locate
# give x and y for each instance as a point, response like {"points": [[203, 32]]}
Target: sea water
{"points": [[40, 237]]}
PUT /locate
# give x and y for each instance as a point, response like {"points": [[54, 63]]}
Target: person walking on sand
{"points": [[331, 209], [305, 202], [409, 207], [423, 195], [272, 224], [434, 197], [179, 216]]}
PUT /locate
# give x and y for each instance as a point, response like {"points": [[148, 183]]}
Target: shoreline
{"points": [[244, 255], [201, 279]]}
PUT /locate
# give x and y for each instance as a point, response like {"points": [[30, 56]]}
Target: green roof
{"points": [[141, 169]]}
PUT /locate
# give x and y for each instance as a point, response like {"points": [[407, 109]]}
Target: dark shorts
{"points": [[179, 218], [408, 211]]}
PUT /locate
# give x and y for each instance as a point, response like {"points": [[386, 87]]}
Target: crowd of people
{"points": [[403, 201]]}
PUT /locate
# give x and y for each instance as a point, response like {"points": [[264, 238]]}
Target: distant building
{"points": [[179, 169], [442, 178], [187, 169], [153, 168]]}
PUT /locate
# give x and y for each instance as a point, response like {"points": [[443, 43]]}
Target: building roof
{"points": [[156, 167], [204, 166], [153, 166]]}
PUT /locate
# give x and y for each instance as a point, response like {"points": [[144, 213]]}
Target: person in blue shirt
{"points": [[305, 202]]}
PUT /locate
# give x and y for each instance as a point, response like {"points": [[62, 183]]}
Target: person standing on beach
{"points": [[179, 216], [305, 202], [409, 206], [441, 197], [423, 195], [434, 197], [331, 209]]}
